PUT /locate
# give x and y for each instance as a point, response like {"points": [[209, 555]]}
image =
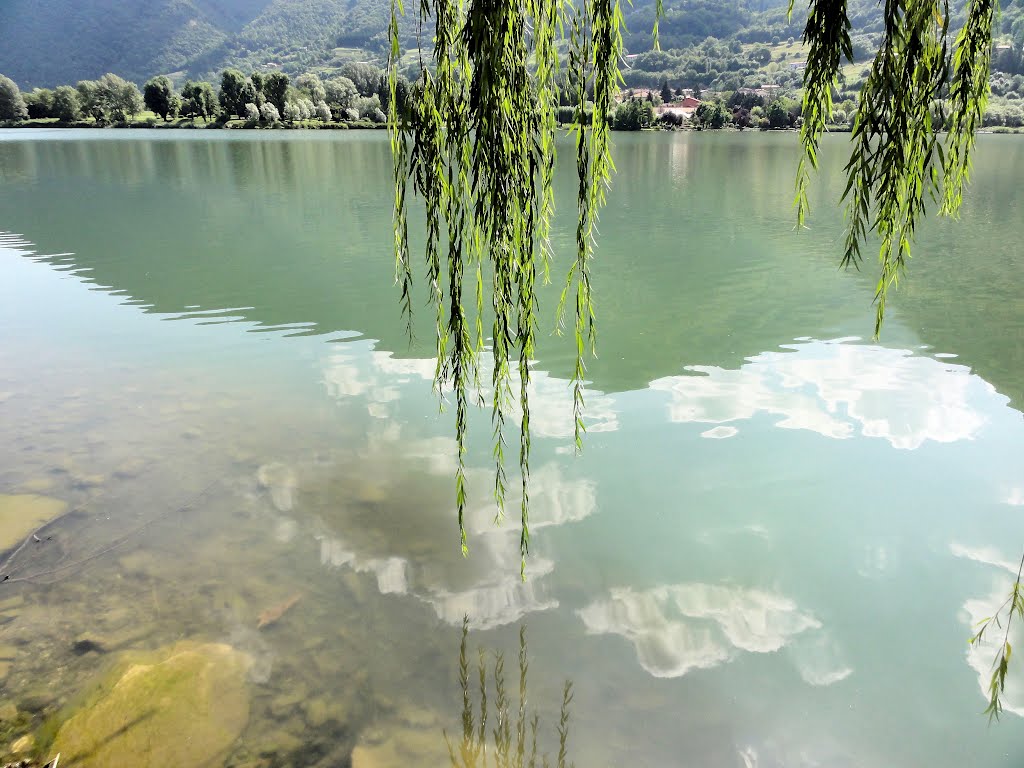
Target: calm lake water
{"points": [[770, 553]]}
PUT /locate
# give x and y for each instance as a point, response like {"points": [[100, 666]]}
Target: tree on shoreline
{"points": [[199, 100], [236, 92], [66, 107], [159, 97], [12, 105], [275, 90]]}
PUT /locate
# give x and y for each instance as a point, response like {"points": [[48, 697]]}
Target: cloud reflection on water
{"points": [[682, 627], [977, 609], [837, 389], [379, 376]]}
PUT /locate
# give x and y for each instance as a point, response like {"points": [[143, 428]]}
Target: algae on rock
{"points": [[184, 706]]}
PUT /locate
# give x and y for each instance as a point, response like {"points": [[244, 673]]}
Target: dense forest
{"points": [[48, 42]]}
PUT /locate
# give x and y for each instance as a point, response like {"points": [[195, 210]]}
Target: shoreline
{"points": [[186, 124]]}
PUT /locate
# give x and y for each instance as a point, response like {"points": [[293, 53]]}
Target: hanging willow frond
{"points": [[828, 36], [478, 145], [898, 159], [968, 96]]}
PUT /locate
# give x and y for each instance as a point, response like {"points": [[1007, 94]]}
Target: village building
{"points": [[684, 108]]}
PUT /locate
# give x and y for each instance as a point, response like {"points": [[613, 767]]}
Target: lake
{"points": [[771, 551]]}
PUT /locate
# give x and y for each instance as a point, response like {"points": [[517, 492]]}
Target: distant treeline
{"points": [[360, 93]]}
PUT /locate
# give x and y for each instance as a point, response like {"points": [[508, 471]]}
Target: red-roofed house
{"points": [[684, 108]]}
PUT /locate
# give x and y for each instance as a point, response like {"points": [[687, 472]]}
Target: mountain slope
{"points": [[49, 42]]}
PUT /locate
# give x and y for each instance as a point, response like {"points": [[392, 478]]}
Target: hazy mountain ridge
{"points": [[49, 42]]}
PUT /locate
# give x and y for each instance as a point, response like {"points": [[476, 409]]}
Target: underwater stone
{"points": [[403, 747], [147, 704], [280, 481], [8, 712]]}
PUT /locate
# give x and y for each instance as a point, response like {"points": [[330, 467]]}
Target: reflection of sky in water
{"points": [[815, 584], [1001, 570], [683, 627], [497, 595], [551, 416], [836, 389]]}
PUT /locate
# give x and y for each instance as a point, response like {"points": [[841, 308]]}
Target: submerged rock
{"points": [[184, 706], [6, 659], [411, 737], [279, 480], [23, 513], [8, 712]]}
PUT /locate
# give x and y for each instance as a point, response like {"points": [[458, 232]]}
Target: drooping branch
{"points": [[478, 145], [899, 158]]}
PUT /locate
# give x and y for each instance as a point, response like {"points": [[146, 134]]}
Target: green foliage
{"points": [[87, 100], [515, 731], [666, 92], [898, 159], [199, 100], [269, 113], [39, 102], [120, 98], [1013, 606], [633, 115], [275, 89], [48, 42], [12, 105], [712, 114], [236, 92], [778, 115], [340, 92], [369, 108], [66, 105], [159, 97], [366, 77], [312, 86], [111, 98], [485, 114]]}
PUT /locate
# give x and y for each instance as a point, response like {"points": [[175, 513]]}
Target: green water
{"points": [[769, 554]]}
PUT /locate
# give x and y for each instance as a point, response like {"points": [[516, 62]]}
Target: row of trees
{"points": [[637, 114], [359, 92], [111, 98]]}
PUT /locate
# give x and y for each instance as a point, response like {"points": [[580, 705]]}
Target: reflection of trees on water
{"points": [[512, 740]]}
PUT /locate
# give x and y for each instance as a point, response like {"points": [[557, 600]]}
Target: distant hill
{"points": [[49, 42]]}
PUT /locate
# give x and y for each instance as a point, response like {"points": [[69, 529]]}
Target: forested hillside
{"points": [[49, 42]]}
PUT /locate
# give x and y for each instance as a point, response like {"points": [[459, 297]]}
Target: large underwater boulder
{"points": [[184, 706]]}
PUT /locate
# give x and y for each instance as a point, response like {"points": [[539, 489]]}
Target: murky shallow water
{"points": [[769, 554]]}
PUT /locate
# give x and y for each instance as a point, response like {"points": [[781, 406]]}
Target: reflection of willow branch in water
{"points": [[1001, 662], [517, 750]]}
